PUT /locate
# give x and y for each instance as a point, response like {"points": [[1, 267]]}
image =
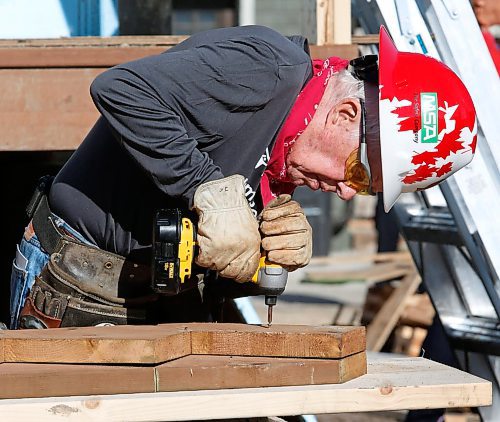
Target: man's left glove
{"points": [[286, 234]]}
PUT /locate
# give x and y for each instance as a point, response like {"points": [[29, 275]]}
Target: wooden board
{"points": [[21, 380], [359, 257], [390, 384], [217, 372], [161, 343], [115, 345], [371, 274], [188, 373], [386, 319], [94, 52], [278, 340], [45, 109]]}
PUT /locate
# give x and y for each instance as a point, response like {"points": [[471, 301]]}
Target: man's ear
{"points": [[344, 111]]}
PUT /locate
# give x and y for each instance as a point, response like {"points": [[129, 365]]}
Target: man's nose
{"points": [[345, 192]]}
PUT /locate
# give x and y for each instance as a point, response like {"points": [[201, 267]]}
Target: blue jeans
{"points": [[28, 263]]}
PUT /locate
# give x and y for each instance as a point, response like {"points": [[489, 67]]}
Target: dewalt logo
{"points": [[429, 117]]}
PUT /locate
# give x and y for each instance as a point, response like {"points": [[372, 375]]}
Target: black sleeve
{"points": [[143, 103]]}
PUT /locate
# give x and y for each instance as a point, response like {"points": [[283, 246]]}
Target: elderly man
{"points": [[227, 124]]}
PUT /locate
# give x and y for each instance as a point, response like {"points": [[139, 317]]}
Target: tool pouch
{"points": [[85, 286]]}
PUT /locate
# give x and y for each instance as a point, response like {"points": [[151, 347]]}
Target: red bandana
{"points": [[275, 180]]}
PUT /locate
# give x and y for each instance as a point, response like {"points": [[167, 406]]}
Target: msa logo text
{"points": [[429, 116]]}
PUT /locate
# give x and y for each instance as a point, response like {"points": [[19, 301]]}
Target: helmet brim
{"points": [[388, 55]]}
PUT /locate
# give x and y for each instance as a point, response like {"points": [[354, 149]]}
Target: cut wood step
{"points": [[162, 343], [218, 372], [191, 373]]}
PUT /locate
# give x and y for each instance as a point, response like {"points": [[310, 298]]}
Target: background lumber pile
{"points": [[175, 357], [396, 315]]}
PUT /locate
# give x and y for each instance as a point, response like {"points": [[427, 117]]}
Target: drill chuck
{"points": [[271, 278]]}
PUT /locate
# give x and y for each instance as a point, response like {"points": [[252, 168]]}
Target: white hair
{"points": [[346, 86]]}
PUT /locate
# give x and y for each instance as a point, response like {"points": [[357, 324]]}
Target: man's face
{"points": [[318, 158]]}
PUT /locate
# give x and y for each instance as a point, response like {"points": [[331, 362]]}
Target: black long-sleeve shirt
{"points": [[208, 108]]}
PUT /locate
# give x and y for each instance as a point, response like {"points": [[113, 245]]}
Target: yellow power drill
{"points": [[174, 250]]}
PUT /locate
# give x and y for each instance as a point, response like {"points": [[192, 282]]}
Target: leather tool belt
{"points": [[83, 285]]}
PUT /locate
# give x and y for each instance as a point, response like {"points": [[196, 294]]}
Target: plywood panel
{"points": [[277, 340], [216, 372]]}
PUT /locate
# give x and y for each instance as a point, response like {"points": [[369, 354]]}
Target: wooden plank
{"points": [[54, 380], [372, 274], [187, 373], [391, 384], [365, 39], [202, 372], [418, 311], [339, 23], [277, 341], [89, 57], [321, 21], [333, 22], [97, 57], [111, 345], [386, 319], [101, 42], [45, 109], [95, 52], [361, 257], [346, 51], [155, 344], [54, 57]]}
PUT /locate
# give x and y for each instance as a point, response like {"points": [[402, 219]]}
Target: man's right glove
{"points": [[287, 236], [228, 232]]}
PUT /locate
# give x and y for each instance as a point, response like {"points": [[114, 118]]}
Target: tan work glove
{"points": [[286, 234], [228, 232]]}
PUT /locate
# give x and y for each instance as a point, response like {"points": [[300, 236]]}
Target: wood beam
{"points": [[190, 373], [161, 343], [205, 372], [103, 345], [328, 342], [56, 380], [333, 22], [387, 317]]}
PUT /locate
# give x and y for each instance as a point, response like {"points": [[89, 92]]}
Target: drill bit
{"points": [[270, 301]]}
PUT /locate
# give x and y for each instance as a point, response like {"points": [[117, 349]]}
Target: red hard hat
{"points": [[428, 126]]}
